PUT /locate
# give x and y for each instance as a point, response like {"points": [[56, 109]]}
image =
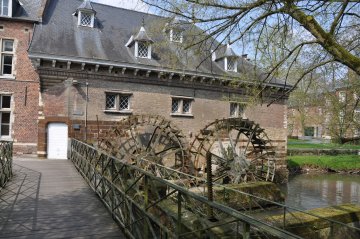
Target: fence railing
{"points": [[147, 206], [5, 162]]}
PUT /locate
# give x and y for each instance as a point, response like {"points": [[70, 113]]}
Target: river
{"points": [[307, 191]]}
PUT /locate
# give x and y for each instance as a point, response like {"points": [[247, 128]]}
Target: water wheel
{"points": [[141, 138], [240, 151]]}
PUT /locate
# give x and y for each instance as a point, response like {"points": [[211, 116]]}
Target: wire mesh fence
{"points": [[5, 162]]}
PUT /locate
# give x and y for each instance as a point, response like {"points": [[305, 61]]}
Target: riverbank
{"points": [[349, 164]]}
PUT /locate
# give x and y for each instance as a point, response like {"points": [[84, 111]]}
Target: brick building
{"points": [[19, 82], [333, 114], [98, 64]]}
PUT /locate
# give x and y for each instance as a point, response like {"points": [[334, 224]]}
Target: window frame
{"points": [[342, 96], [237, 110], [92, 15], [5, 110], [9, 9], [180, 33], [226, 64], [117, 108], [137, 49], [7, 53], [181, 111]]}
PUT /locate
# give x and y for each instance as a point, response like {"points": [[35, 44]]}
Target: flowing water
{"points": [[307, 191]]}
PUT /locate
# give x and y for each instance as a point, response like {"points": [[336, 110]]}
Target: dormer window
{"points": [[142, 44], [85, 14], [5, 8], [176, 35], [86, 19], [230, 59], [230, 64]]}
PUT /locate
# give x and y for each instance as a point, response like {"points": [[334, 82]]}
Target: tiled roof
{"points": [[60, 36]]}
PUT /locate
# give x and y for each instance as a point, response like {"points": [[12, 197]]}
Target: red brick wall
{"points": [[54, 101], [24, 88]]}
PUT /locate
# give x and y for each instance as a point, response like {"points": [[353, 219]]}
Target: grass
{"points": [[305, 144], [339, 162]]}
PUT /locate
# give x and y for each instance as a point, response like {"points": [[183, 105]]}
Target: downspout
{"points": [[86, 109]]}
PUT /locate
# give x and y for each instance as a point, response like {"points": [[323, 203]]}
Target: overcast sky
{"points": [[130, 4]]}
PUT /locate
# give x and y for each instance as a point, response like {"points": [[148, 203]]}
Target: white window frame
{"points": [[9, 9], [181, 33], [137, 49], [118, 96], [4, 53], [180, 111], [237, 106], [342, 96], [5, 110], [87, 13], [226, 60]]}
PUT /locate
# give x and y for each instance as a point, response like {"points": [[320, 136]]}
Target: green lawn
{"points": [[343, 162], [305, 144]]}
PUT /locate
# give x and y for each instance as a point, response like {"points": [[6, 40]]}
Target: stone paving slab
{"points": [[49, 199]]}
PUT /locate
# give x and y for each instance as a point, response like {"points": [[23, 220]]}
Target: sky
{"points": [[130, 4]]}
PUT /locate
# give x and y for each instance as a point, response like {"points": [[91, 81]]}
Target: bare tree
{"points": [[324, 31]]}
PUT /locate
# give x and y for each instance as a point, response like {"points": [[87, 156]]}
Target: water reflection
{"points": [[308, 191]]}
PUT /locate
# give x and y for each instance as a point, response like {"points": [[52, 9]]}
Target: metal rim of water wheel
{"points": [[240, 151]]}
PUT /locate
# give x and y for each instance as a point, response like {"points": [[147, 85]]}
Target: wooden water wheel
{"points": [[240, 151], [141, 138]]}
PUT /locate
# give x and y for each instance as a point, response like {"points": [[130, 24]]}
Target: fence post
{"points": [[146, 204], [209, 186], [178, 229], [246, 230]]}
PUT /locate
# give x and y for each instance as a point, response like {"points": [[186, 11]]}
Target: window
{"points": [[5, 113], [320, 110], [342, 96], [86, 19], [143, 49], [7, 53], [117, 102], [231, 64], [237, 109], [181, 106], [176, 35], [5, 8], [309, 131], [341, 116]]}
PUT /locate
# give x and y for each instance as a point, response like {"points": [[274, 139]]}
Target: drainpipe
{"points": [[86, 109]]}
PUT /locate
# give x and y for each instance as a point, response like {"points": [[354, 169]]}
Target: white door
{"points": [[57, 141]]}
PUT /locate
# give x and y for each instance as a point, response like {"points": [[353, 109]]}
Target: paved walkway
{"points": [[49, 199]]}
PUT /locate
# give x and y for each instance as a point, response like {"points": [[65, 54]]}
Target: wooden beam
{"points": [[171, 76], [83, 66], [96, 68], [110, 69], [68, 65], [148, 73], [123, 70], [136, 71], [53, 63]]}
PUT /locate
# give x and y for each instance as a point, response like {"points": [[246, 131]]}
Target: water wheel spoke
{"points": [[152, 137]]}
